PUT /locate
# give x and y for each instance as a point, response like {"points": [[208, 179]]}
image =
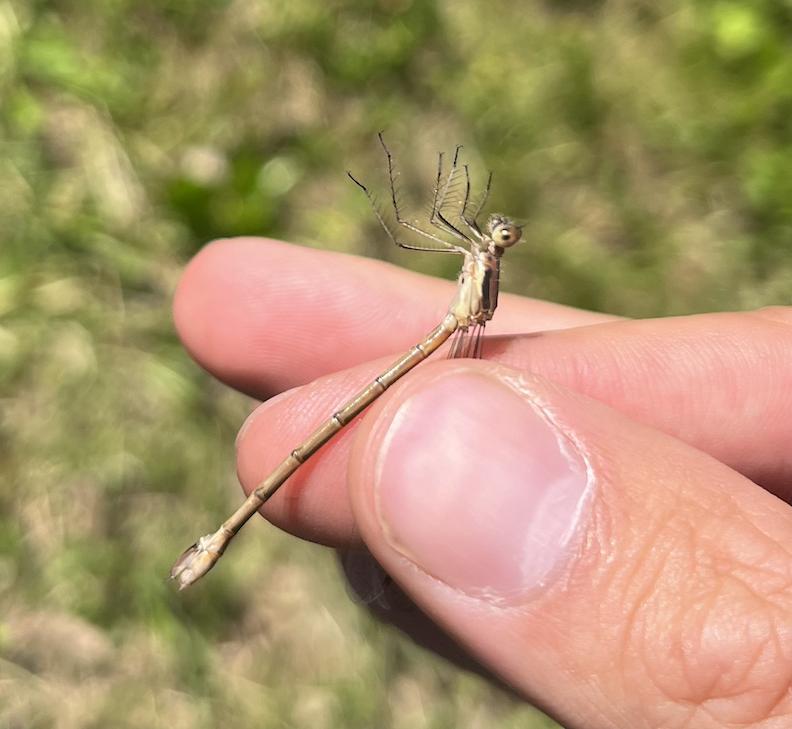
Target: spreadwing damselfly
{"points": [[481, 247]]}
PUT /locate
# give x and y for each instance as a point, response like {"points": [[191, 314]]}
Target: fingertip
{"points": [[200, 296], [225, 311]]}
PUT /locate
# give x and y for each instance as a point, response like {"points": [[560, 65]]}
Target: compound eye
{"points": [[507, 235]]}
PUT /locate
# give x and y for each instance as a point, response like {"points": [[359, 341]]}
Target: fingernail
{"points": [[479, 488]]}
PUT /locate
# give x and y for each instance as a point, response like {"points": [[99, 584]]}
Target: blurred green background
{"points": [[647, 143]]}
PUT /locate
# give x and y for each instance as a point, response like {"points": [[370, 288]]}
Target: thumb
{"points": [[610, 573]]}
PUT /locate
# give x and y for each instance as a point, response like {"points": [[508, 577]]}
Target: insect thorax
{"points": [[477, 295]]}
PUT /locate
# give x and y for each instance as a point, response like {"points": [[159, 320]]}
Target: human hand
{"points": [[590, 512]]}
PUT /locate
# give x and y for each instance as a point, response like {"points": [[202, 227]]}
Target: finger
{"points": [[720, 382], [264, 316], [612, 574]]}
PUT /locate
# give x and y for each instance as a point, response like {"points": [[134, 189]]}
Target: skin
{"points": [[673, 605]]}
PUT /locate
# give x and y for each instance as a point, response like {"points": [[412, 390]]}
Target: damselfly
{"points": [[481, 249]]}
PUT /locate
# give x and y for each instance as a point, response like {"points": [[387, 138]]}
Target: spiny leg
{"points": [[470, 222], [436, 218], [447, 248], [436, 190], [399, 219], [473, 221], [466, 199]]}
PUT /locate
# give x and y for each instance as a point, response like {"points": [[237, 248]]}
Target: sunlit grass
{"points": [[647, 146]]}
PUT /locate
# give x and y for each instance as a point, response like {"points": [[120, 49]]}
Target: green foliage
{"points": [[647, 146]]}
